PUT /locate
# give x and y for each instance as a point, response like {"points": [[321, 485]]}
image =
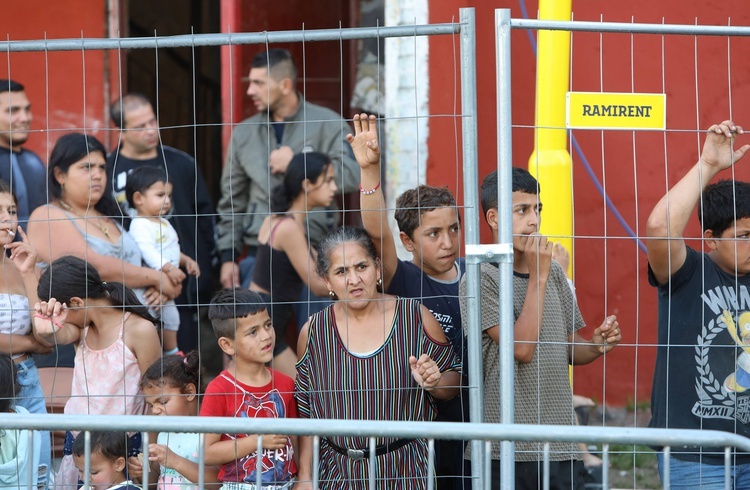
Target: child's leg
{"points": [[170, 319], [31, 397]]}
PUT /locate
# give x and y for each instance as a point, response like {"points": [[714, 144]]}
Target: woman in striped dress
{"points": [[369, 356]]}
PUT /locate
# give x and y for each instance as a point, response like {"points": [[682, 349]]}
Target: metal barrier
{"points": [[482, 433], [479, 433]]}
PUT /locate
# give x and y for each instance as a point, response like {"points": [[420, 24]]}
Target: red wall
{"points": [[54, 83], [610, 274]]}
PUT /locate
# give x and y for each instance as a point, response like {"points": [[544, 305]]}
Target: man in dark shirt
{"points": [[21, 168], [192, 214]]}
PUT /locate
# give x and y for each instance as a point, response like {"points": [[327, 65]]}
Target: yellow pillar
{"points": [[550, 162]]}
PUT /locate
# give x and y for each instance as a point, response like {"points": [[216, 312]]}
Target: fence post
{"points": [[473, 361], [505, 236]]}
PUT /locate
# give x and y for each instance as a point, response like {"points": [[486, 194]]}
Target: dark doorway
{"points": [[183, 83]]}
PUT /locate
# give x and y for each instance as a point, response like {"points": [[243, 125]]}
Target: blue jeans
{"points": [[31, 397], [689, 474]]}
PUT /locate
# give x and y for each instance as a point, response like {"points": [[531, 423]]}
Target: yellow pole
{"points": [[550, 162]]}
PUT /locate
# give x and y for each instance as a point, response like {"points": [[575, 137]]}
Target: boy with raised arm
{"points": [[546, 339], [429, 228], [701, 373]]}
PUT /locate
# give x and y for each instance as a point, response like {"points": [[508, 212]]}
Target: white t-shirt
{"points": [[182, 444], [157, 240]]}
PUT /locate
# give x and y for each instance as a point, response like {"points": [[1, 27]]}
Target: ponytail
{"points": [[175, 371], [280, 200], [124, 297], [70, 277]]}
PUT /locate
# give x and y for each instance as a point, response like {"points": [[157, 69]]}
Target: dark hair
{"points": [[5, 188], [334, 238], [10, 86], [723, 203], [69, 277], [175, 371], [229, 304], [276, 60], [68, 150], [141, 179], [119, 109], [302, 166], [523, 181], [111, 445], [7, 383], [413, 203]]}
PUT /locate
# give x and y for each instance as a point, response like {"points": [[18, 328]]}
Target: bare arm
{"points": [[605, 338], [162, 455], [220, 452], [48, 324], [667, 222], [441, 385], [294, 243], [538, 252], [374, 217], [142, 339], [45, 230], [304, 463]]}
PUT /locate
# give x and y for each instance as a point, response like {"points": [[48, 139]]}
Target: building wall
{"points": [[635, 169], [61, 100]]}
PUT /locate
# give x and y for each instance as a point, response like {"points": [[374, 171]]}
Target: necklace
{"points": [[104, 228]]}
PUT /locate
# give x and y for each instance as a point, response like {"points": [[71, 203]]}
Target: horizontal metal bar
{"points": [[495, 252], [379, 428], [630, 28], [270, 37]]}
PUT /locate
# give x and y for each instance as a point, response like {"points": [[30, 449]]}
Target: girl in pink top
{"points": [[116, 342]]}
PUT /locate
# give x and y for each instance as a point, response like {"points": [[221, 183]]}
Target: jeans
{"points": [[31, 397], [691, 474]]}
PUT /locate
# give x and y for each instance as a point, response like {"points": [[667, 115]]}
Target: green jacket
{"points": [[246, 182]]}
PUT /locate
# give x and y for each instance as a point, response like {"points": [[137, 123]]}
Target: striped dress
{"points": [[332, 383]]}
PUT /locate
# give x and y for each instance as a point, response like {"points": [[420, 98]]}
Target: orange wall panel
{"points": [[66, 89], [635, 169]]}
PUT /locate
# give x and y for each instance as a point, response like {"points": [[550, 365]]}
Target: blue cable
{"points": [[582, 156]]}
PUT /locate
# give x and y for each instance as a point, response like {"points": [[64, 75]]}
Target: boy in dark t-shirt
{"points": [[701, 379], [429, 228]]}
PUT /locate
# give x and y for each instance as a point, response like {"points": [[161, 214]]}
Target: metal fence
{"points": [[480, 434]]}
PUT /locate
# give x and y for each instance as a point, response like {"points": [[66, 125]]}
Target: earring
{"points": [[331, 294], [379, 282]]}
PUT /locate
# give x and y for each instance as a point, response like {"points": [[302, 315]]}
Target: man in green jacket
{"points": [[259, 153]]}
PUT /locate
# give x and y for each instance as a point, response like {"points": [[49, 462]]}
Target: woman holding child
{"points": [[82, 220], [369, 356]]}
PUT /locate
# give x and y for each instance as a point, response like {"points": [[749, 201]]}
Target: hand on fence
{"points": [[50, 317], [425, 371], [718, 149], [364, 142], [607, 335]]}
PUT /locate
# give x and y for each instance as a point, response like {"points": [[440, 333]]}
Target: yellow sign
{"points": [[596, 110]]}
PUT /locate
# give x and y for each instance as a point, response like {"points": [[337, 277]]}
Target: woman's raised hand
{"points": [[425, 371], [23, 254], [364, 142]]}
